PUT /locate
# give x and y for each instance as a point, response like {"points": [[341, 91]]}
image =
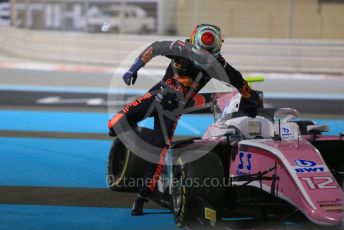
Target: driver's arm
{"points": [[159, 48], [164, 48], [250, 97], [236, 79]]}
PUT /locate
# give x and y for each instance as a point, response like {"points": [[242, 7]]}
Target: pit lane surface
{"points": [[54, 158]]}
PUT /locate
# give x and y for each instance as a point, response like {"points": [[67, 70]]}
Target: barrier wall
{"points": [[276, 55], [304, 19]]}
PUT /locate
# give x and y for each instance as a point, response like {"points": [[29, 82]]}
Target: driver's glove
{"points": [[250, 105], [250, 110], [130, 77]]}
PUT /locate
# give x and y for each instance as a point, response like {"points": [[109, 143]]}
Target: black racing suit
{"points": [[184, 78]]}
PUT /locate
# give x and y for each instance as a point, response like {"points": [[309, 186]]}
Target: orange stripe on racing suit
{"points": [[136, 102], [126, 109], [158, 168], [245, 90], [184, 80], [115, 119]]}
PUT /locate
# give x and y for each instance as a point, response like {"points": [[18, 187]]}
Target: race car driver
{"points": [[185, 75]]}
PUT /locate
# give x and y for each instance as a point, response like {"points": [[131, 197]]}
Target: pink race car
{"points": [[272, 163]]}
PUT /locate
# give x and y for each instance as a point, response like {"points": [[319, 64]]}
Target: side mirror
{"points": [[317, 128], [222, 132]]}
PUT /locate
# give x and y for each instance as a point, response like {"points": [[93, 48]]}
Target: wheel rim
{"points": [[177, 195], [116, 167]]}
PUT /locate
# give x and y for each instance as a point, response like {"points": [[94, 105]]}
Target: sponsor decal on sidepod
{"points": [[286, 132], [306, 166], [244, 166]]}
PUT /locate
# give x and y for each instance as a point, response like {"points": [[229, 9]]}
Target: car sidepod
{"points": [[294, 171]]}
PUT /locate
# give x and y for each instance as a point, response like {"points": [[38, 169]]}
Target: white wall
{"points": [[278, 55]]}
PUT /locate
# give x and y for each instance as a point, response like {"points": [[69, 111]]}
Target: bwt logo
{"points": [[305, 163], [286, 132], [304, 166]]}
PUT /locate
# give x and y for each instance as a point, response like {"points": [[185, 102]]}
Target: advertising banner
{"points": [[116, 16], [5, 13]]}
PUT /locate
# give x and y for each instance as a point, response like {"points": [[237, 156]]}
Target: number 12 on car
{"points": [[320, 182]]}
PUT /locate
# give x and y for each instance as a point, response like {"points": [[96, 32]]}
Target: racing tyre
{"points": [[189, 190], [124, 168]]}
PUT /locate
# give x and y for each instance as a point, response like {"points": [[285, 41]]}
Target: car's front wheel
{"points": [[193, 183]]}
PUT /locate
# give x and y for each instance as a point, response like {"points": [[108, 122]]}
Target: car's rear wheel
{"points": [[193, 181], [124, 168]]}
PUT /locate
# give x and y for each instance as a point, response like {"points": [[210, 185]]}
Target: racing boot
{"points": [[137, 209], [112, 133]]}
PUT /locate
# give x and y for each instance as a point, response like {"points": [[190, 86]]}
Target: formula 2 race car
{"points": [[273, 164]]}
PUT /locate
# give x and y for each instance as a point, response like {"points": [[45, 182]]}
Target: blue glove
{"points": [[130, 77]]}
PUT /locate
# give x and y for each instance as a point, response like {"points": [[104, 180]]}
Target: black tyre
{"points": [[190, 183], [124, 168], [331, 153]]}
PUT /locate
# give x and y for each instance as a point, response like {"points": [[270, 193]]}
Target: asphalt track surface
{"points": [[101, 102], [274, 83], [54, 147]]}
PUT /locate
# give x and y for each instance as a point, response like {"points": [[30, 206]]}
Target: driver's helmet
{"points": [[207, 37]]}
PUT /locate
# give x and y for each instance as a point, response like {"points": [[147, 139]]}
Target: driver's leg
{"points": [[131, 114], [161, 139]]}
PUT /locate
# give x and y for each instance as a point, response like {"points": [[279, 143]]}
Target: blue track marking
{"points": [[57, 217], [96, 122], [54, 121], [84, 122], [53, 162], [238, 218], [288, 223]]}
